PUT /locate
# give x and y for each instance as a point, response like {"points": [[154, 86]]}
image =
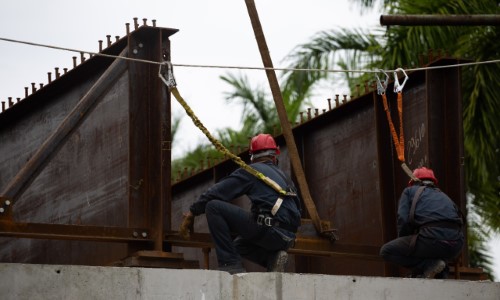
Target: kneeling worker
{"points": [[429, 229], [265, 233]]}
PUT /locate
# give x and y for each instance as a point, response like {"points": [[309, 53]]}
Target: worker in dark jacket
{"points": [[268, 230], [429, 228]]}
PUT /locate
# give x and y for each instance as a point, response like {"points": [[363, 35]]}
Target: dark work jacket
{"points": [[262, 196], [433, 206]]}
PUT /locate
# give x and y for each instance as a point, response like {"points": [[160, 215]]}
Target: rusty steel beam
{"points": [[74, 232], [440, 20], [285, 124], [29, 171], [304, 245]]}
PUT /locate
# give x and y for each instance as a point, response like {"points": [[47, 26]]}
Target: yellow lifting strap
{"points": [[171, 84], [399, 142]]}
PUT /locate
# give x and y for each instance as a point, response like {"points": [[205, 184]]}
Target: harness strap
{"points": [[411, 218], [276, 206], [414, 201], [443, 224], [267, 220]]}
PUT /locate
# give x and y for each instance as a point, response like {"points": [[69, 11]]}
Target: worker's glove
{"points": [[187, 226]]}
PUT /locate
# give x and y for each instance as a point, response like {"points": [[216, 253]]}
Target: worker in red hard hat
{"points": [[424, 174], [430, 229], [263, 145], [264, 233]]}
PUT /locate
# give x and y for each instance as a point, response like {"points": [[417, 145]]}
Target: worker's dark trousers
{"points": [[254, 242], [425, 252]]}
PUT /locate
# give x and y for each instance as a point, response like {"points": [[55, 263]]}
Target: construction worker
{"points": [[429, 229], [265, 233]]}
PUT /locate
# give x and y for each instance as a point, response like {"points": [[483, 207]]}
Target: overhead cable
{"points": [[246, 67]]}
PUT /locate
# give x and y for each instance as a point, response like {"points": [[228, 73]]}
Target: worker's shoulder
{"points": [[262, 165]]}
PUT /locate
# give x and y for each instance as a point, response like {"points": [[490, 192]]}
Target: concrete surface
{"points": [[30, 281]]}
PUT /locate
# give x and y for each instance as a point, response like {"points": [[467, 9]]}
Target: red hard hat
{"points": [[424, 173], [263, 141]]}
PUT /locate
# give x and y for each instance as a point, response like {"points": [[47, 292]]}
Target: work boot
{"points": [[443, 274], [434, 268], [232, 268], [277, 262]]}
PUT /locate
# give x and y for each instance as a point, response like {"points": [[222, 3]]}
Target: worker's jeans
{"points": [[254, 242], [425, 252]]}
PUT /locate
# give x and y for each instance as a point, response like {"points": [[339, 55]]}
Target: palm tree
{"points": [[399, 46], [258, 115]]}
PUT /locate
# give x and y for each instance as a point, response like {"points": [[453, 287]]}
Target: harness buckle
{"points": [[263, 220]]}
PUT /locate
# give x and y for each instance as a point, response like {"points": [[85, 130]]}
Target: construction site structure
{"points": [[85, 168]]}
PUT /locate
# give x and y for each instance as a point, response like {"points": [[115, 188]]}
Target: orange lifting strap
{"points": [[399, 142]]}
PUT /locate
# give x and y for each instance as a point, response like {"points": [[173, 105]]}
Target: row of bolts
{"points": [[10, 102], [237, 150], [136, 26]]}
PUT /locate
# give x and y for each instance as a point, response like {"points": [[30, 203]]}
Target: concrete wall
{"points": [[30, 281]]}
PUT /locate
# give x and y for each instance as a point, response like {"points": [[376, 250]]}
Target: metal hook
{"points": [[397, 87], [381, 87], [170, 79]]}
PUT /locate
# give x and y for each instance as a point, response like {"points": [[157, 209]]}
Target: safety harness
{"points": [[442, 224], [167, 70], [266, 217]]}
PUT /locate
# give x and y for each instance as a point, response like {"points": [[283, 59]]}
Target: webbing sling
{"points": [[171, 85], [399, 141]]}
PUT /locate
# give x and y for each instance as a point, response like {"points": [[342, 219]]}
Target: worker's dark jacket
{"points": [[433, 207], [263, 197]]}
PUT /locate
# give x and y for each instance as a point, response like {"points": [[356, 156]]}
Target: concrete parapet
{"points": [[31, 281]]}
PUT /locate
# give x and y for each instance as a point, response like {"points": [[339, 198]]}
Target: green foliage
{"points": [[258, 115], [348, 49], [258, 110], [477, 235]]}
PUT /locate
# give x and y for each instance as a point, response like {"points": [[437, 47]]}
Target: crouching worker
{"points": [[429, 229], [265, 233]]}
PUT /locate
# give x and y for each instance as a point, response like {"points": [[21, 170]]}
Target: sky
{"points": [[210, 33]]}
